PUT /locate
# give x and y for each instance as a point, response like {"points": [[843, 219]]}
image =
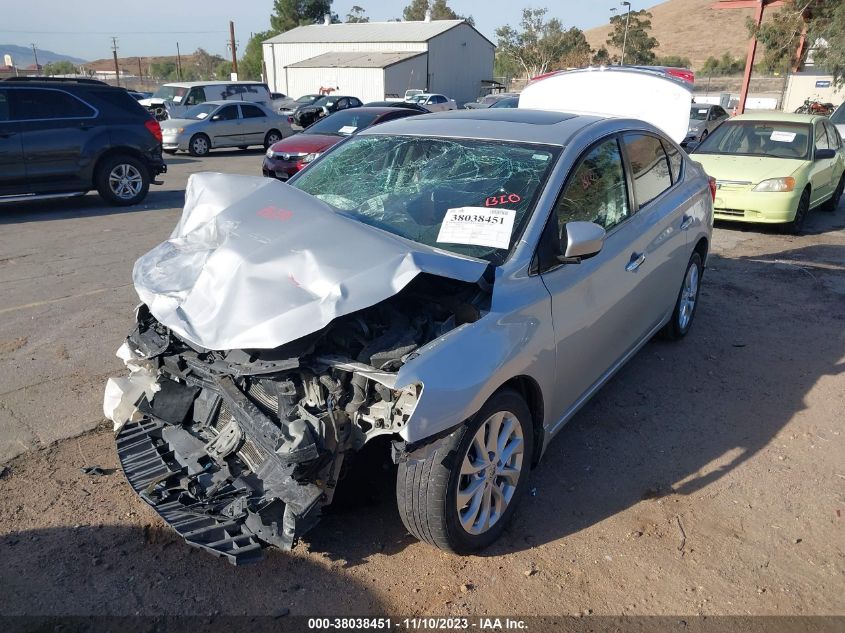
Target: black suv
{"points": [[66, 137]]}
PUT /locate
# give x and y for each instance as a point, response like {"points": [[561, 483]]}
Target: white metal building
{"points": [[372, 60]]}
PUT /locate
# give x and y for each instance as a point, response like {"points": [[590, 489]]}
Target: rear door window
{"points": [[649, 166], [33, 104], [251, 111]]}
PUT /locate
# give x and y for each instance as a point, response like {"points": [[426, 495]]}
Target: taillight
{"points": [[682, 73], [712, 182], [154, 128]]}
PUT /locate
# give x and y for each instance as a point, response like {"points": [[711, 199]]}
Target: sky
{"points": [[83, 28]]}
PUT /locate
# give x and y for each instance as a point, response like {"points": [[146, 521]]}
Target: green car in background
{"points": [[774, 168]]}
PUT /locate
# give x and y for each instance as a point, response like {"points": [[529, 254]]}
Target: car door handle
{"points": [[687, 222], [6, 134], [636, 262]]}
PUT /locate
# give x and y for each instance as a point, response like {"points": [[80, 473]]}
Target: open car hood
{"points": [[615, 92], [255, 263]]}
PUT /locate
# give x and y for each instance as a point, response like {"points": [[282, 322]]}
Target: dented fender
{"points": [[462, 369]]}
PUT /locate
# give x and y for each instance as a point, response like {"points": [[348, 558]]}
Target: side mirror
{"points": [[692, 146], [825, 154], [581, 240]]}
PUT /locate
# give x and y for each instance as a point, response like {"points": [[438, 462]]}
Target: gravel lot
{"points": [[706, 478]]}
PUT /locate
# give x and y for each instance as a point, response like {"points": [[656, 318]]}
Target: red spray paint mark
{"points": [[274, 213], [503, 198]]}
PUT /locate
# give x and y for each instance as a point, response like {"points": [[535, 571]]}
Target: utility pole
{"points": [[625, 37], [140, 72], [114, 54], [35, 55], [234, 50], [178, 61]]}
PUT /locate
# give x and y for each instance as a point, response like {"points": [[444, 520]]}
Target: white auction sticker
{"points": [[783, 137], [347, 129], [478, 226]]}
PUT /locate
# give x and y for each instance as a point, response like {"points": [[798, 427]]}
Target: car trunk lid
{"points": [[615, 92]]}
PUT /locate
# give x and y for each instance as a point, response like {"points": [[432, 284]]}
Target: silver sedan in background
{"points": [[703, 119], [215, 124]]}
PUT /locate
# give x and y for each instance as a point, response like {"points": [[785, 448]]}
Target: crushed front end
{"points": [[242, 448]]}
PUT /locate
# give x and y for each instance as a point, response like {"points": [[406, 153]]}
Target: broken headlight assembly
{"points": [[240, 449]]}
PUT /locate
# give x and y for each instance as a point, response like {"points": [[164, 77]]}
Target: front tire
{"points": [[199, 145], [122, 180], [796, 227], [687, 301], [459, 492]]}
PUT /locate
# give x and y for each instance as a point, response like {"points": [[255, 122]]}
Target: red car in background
{"points": [[285, 158]]}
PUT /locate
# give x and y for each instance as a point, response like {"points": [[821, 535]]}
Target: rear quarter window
{"points": [[676, 161], [118, 99]]}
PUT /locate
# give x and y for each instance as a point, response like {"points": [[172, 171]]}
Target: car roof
{"points": [[379, 110], [504, 124], [783, 117], [191, 84], [229, 102]]}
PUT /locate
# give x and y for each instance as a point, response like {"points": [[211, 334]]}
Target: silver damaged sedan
{"points": [[460, 282]]}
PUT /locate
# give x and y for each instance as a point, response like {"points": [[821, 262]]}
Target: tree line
{"points": [[540, 44]]}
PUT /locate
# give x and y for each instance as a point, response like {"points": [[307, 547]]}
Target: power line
{"points": [[112, 32]]}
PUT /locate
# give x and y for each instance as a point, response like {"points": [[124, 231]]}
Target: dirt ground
{"points": [[706, 478]]}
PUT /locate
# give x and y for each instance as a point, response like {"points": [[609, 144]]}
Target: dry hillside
{"points": [[130, 64], [690, 28]]}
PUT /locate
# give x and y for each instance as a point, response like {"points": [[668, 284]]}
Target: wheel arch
{"points": [[702, 247], [117, 151], [530, 390]]}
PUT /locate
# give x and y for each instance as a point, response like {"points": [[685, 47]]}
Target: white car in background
{"points": [[434, 102]]}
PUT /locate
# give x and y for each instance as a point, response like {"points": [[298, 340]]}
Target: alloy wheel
{"points": [[125, 181], [689, 294], [490, 472]]}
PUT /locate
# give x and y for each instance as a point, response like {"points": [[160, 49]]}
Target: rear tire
{"points": [[487, 476], [687, 301], [122, 180], [832, 204], [273, 136]]}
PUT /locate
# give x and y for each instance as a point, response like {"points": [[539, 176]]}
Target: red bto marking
{"points": [[274, 213], [502, 198]]}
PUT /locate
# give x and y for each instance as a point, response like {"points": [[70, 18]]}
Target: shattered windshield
{"points": [[468, 196]]}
